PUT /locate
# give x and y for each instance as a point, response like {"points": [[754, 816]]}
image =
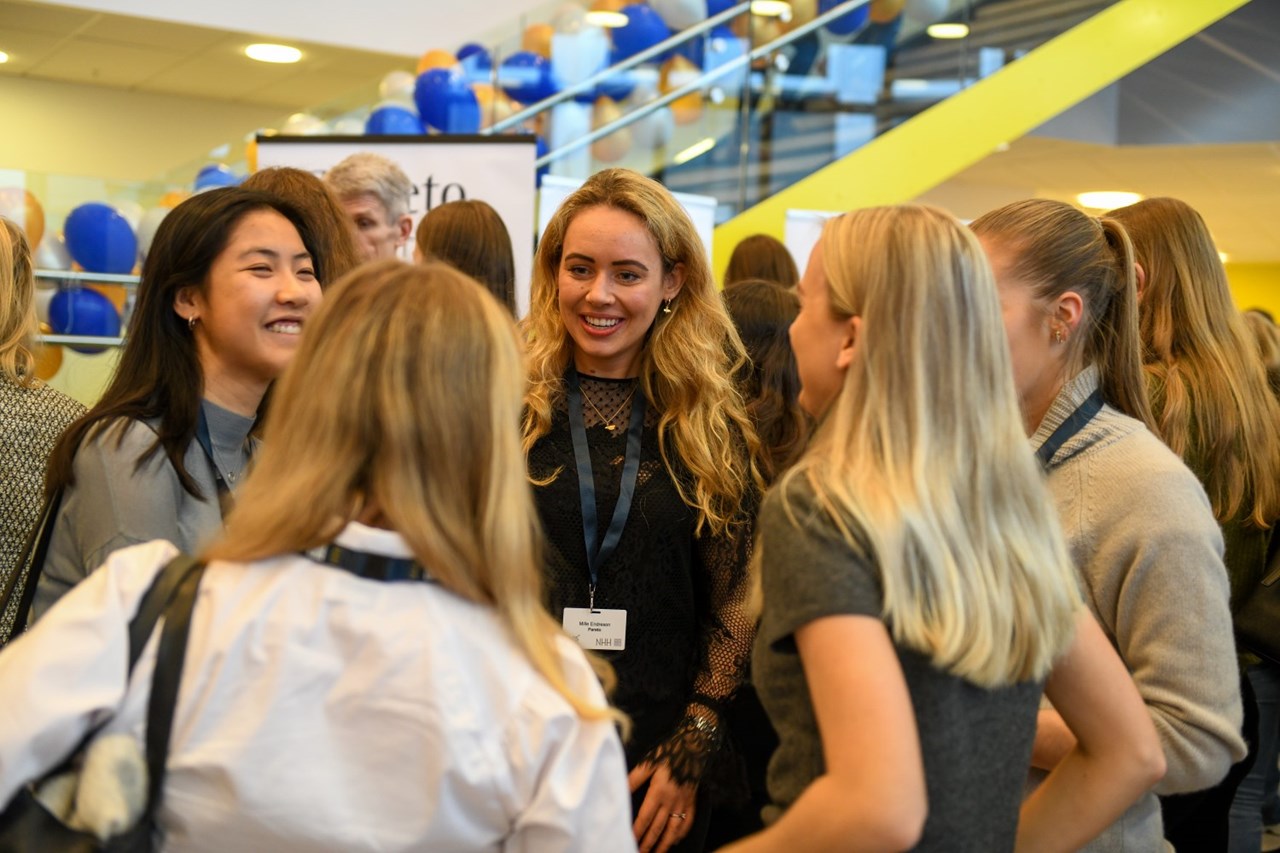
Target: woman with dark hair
{"points": [[226, 291], [326, 219], [763, 312], [470, 236], [761, 256]]}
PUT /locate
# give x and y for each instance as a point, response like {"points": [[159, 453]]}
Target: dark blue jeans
{"points": [[1259, 785]]}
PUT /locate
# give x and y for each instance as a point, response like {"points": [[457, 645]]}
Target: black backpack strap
{"points": [[153, 604], [167, 677], [26, 574]]}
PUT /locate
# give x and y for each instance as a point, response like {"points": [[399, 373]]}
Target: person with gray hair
{"points": [[375, 192]]}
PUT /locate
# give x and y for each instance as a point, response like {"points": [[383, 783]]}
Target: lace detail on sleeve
{"points": [[726, 635]]}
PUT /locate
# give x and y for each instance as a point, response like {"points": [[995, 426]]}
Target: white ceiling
{"points": [[70, 45], [1235, 187]]}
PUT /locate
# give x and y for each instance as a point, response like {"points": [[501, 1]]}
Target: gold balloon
{"points": [[616, 145], [494, 105], [173, 198], [803, 11], [48, 356], [608, 5], [23, 208], [537, 39], [676, 72], [436, 59], [115, 292], [884, 11]]}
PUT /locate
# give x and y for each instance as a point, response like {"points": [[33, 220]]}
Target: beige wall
{"points": [[114, 134]]}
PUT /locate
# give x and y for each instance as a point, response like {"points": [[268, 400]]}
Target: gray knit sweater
{"points": [[1142, 533]]}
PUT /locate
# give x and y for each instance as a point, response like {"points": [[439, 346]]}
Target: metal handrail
{"points": [[604, 74], [694, 85], [80, 275]]}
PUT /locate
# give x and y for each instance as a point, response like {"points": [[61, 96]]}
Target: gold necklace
{"points": [[608, 422]]}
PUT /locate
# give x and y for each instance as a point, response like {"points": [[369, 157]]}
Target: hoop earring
{"points": [[191, 322], [666, 306]]}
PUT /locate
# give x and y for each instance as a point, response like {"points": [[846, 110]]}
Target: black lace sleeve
{"points": [[727, 631]]}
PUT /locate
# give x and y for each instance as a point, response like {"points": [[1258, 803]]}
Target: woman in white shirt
{"points": [[324, 707]]}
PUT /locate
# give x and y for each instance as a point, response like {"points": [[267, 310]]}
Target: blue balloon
{"points": [[644, 29], [81, 311], [215, 175], [392, 120], [475, 61], [100, 239], [845, 24], [446, 102], [526, 77], [715, 7], [620, 84]]}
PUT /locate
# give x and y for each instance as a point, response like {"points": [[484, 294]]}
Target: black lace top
{"points": [[688, 636]]}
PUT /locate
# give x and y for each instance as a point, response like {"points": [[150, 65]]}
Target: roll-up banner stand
{"points": [[498, 170]]}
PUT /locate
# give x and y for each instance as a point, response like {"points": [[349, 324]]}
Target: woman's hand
{"points": [[667, 812]]}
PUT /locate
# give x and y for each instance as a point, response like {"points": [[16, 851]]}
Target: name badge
{"points": [[597, 630]]}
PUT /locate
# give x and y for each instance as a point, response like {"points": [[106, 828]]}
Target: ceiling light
{"points": [[1224, 257], [1108, 199], [770, 8], [609, 20], [695, 150], [278, 53], [4, 57], [948, 31]]}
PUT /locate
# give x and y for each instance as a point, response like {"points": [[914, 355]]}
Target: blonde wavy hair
{"points": [[1213, 401], [408, 386], [922, 461], [18, 323], [688, 362]]}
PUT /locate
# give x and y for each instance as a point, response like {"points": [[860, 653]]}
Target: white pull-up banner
{"points": [[498, 170]]}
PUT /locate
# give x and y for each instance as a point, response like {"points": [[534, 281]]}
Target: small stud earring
{"points": [[666, 306], [1057, 335]]}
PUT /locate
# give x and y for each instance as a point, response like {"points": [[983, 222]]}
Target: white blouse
{"points": [[322, 711]]}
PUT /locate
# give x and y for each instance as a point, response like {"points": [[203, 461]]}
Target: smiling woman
{"points": [[228, 286], [632, 399]]}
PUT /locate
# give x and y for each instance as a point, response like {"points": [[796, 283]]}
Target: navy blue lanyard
{"points": [[598, 554], [1067, 430], [225, 500], [363, 564]]}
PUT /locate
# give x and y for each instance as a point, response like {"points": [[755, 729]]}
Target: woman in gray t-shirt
{"points": [[229, 282], [916, 585]]}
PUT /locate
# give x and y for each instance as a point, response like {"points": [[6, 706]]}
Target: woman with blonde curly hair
{"points": [[644, 460], [369, 665], [1215, 409]]}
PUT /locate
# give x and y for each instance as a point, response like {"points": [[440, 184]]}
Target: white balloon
{"points": [[347, 126], [52, 253], [303, 124], [147, 228], [680, 14], [926, 11], [45, 291], [130, 210], [397, 87]]}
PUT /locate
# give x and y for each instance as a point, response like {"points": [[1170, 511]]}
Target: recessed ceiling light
{"points": [[609, 20], [4, 57], [278, 53], [770, 8], [948, 31], [1108, 199]]}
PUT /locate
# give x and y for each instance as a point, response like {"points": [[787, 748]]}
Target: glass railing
{"points": [[744, 104]]}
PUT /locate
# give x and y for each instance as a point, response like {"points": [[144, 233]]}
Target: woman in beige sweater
{"points": [[1138, 524]]}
